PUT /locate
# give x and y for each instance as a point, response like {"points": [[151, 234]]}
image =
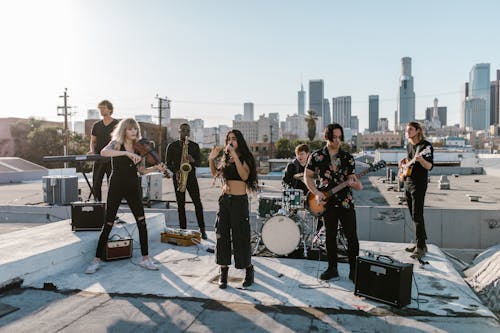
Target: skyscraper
{"points": [[302, 101], [475, 113], [327, 115], [479, 86], [316, 96], [465, 94], [342, 111], [406, 94], [436, 112], [248, 111], [372, 113], [494, 100]]}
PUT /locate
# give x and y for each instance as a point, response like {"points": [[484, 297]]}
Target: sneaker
{"points": [[330, 273], [419, 253], [93, 267], [149, 264]]}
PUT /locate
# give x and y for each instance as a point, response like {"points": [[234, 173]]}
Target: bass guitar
{"points": [[317, 209], [407, 167]]}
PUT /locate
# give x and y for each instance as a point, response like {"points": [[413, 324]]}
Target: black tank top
{"points": [[123, 167], [230, 172]]}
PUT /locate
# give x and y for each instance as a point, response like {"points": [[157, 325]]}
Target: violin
{"points": [[145, 150]]}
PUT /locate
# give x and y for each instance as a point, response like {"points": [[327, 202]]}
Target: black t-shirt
{"points": [[102, 134], [174, 152], [419, 173], [292, 169]]}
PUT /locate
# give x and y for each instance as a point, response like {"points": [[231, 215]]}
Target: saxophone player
{"points": [[182, 157]]}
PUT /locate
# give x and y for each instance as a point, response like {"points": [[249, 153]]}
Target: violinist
{"points": [[124, 183]]}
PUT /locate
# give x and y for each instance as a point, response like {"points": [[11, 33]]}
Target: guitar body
{"points": [[405, 171], [313, 206]]}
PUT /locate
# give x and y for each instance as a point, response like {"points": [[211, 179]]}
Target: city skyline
{"points": [[210, 58]]}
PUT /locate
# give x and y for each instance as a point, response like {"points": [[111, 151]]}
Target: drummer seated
{"points": [[294, 173]]}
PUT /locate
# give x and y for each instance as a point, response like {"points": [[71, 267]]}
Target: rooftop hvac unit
{"points": [[60, 190]]}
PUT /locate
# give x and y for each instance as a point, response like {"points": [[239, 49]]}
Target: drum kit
{"points": [[287, 224]]}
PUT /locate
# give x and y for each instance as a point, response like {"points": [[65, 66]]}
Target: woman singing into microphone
{"points": [[124, 183], [239, 174]]}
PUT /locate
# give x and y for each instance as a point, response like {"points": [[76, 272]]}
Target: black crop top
{"points": [[230, 172]]}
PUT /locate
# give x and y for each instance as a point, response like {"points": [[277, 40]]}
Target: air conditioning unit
{"points": [[151, 184], [60, 190]]}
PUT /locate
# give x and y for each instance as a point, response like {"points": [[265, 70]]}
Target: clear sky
{"points": [[209, 57]]}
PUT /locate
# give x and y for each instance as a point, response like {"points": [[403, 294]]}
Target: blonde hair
{"points": [[120, 130]]}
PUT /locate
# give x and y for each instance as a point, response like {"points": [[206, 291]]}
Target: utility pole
{"points": [[65, 113], [163, 104], [271, 140]]}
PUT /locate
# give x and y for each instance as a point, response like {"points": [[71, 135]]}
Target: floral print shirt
{"points": [[330, 173]]}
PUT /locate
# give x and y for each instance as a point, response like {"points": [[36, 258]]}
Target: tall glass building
{"points": [[479, 86], [406, 94], [316, 96], [302, 101], [342, 111], [372, 113]]}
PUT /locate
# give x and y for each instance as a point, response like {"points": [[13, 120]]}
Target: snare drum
{"points": [[294, 198], [269, 204], [281, 234]]}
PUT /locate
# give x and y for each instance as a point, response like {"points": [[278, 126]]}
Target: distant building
{"points": [[301, 101], [249, 129], [197, 131], [326, 112], [173, 127], [373, 113], [406, 95], [316, 97], [145, 118], [383, 125], [238, 117], [93, 114], [79, 127], [248, 112], [268, 128], [475, 113], [370, 140], [494, 98], [436, 112], [454, 141], [355, 124], [465, 94], [342, 111], [295, 127], [479, 87]]}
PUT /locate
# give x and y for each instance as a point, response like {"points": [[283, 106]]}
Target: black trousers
{"points": [[100, 169], [415, 196], [119, 189], [194, 192], [347, 218], [233, 226]]}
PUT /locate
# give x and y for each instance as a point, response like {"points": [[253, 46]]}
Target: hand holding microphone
{"points": [[229, 148]]}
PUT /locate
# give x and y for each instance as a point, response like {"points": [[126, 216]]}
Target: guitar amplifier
{"points": [[384, 279], [118, 249], [87, 216]]}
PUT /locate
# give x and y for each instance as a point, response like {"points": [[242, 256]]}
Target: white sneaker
{"points": [[149, 264], [93, 267]]}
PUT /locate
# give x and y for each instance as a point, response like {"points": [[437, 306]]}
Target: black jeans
{"points": [[347, 218], [100, 169], [128, 189], [194, 193], [233, 226], [415, 196]]}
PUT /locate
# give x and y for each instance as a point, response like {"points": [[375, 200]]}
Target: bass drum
{"points": [[281, 235]]}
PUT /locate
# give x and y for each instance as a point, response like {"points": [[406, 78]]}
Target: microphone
{"points": [[226, 151]]}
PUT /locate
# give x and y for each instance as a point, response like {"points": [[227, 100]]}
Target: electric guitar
{"points": [[407, 167], [317, 209]]}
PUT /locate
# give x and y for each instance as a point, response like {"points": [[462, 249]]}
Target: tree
{"points": [[311, 124], [284, 148]]}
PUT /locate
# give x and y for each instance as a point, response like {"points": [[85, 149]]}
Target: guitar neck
{"points": [[346, 183]]}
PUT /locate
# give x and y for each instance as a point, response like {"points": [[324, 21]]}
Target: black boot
{"points": [[223, 277], [248, 277]]}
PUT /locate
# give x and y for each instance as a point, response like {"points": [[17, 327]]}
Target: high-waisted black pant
{"points": [[233, 226], [347, 218], [415, 196], [194, 192], [128, 188]]}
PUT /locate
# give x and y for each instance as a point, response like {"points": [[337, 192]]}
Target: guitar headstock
{"points": [[379, 165]]}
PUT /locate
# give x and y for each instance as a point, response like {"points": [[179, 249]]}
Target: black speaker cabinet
{"points": [[87, 216], [383, 279]]}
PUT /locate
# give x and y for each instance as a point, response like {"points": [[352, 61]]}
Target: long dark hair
{"points": [[245, 156]]}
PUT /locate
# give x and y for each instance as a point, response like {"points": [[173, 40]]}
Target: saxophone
{"points": [[185, 168]]}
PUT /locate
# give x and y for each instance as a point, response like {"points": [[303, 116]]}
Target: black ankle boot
{"points": [[223, 277], [248, 277]]}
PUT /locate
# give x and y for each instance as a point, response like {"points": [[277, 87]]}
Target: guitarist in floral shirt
{"points": [[333, 167], [419, 151]]}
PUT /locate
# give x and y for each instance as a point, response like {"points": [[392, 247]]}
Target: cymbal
{"points": [[299, 176]]}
